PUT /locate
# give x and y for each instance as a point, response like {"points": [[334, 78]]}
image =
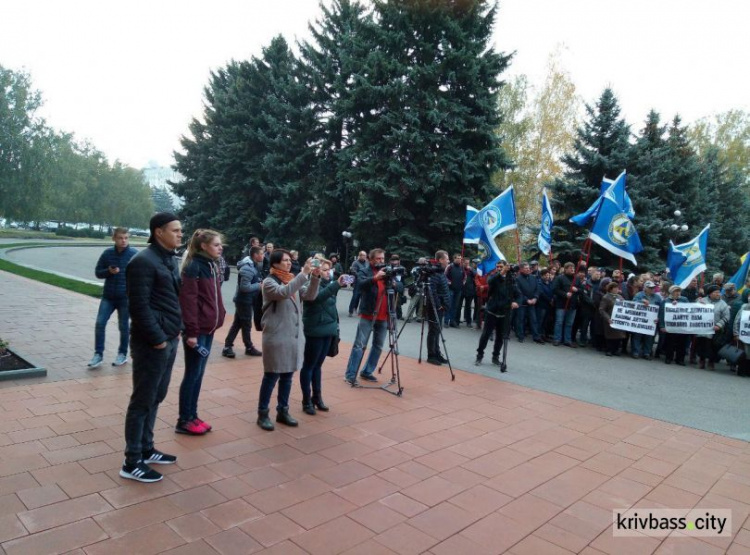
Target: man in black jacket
{"points": [[502, 298], [565, 290], [455, 276], [439, 295], [153, 285]]}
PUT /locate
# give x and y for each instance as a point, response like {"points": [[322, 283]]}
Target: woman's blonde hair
{"points": [[200, 237]]}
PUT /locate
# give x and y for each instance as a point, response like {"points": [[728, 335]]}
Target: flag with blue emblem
{"points": [[544, 241], [740, 278], [471, 232], [497, 217], [614, 231], [615, 190], [687, 260]]}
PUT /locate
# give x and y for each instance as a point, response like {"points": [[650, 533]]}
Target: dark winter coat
{"points": [[153, 286], [200, 297], [438, 285], [470, 289], [368, 289], [560, 288], [605, 310], [528, 286], [501, 295], [455, 275], [320, 317], [114, 284]]}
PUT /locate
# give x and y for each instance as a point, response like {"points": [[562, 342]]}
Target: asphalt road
{"points": [[710, 401]]}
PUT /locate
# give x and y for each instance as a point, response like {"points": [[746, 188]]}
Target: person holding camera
{"points": [[282, 332], [202, 313], [437, 302], [502, 298], [320, 319], [111, 268], [360, 263], [373, 318]]}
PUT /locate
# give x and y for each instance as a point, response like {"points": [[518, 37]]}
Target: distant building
{"points": [[157, 176]]}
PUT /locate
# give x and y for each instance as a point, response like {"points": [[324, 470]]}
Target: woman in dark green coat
{"points": [[320, 321]]}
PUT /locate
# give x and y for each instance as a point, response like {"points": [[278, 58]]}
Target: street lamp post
{"points": [[346, 235]]}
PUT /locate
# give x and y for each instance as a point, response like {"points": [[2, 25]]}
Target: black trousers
{"points": [[243, 321], [499, 325], [433, 331], [674, 347], [152, 370]]}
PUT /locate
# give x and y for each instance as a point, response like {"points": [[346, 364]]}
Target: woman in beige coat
{"points": [[283, 340], [614, 337]]}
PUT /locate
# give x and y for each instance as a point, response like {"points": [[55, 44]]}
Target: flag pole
{"points": [[518, 247]]}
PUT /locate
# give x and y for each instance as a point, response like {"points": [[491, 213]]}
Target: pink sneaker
{"points": [[204, 424], [192, 428]]}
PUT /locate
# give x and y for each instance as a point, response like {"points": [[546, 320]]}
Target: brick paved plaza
{"points": [[467, 467]]}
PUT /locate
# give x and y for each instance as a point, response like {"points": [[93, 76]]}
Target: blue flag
{"points": [[489, 253], [471, 232], [687, 260], [614, 231], [497, 217], [616, 191], [740, 277], [545, 231]]}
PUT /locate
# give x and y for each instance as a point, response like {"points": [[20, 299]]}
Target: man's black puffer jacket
{"points": [[153, 283]]}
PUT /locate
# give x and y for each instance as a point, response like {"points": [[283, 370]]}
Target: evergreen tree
{"points": [[423, 144], [329, 64], [162, 200], [601, 149]]}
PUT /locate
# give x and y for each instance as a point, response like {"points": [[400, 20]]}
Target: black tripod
{"points": [[390, 296], [425, 298]]}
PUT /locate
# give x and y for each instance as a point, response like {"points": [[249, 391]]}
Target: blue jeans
{"points": [[190, 388], [354, 303], [106, 308], [564, 319], [642, 344], [379, 330], [266, 389], [522, 313], [316, 349]]}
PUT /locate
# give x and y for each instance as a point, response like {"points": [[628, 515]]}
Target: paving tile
{"points": [[406, 540], [11, 528], [570, 486], [272, 529], [480, 500], [199, 547], [377, 516], [131, 493], [334, 536], [530, 511], [433, 490], [459, 544], [58, 540], [496, 532], [232, 513], [17, 482], [560, 537], [318, 510], [366, 490], [93, 483], [196, 499], [262, 478], [403, 504], [232, 488], [122, 521], [443, 520], [534, 545], [193, 527], [64, 512], [39, 497], [144, 541]]}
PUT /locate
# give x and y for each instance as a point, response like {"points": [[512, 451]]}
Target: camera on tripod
{"points": [[391, 271], [425, 271]]}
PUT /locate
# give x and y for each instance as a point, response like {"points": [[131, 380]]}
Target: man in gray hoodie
{"points": [[248, 288]]}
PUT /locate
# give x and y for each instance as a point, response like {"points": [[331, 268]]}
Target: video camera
{"points": [[391, 271]]}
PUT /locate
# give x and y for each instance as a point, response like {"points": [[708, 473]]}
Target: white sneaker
{"points": [[120, 360], [96, 362]]}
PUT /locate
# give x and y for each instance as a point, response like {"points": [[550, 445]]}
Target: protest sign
{"points": [[689, 318], [635, 317], [745, 326]]}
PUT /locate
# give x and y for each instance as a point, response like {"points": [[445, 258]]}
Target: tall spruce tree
{"points": [[601, 149], [330, 63], [424, 145]]}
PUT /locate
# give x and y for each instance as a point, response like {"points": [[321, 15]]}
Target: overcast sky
{"points": [[130, 75]]}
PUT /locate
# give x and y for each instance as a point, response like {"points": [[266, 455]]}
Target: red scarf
{"points": [[285, 277]]}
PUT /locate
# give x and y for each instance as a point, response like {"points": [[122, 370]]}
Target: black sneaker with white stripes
{"points": [[140, 472], [157, 457]]}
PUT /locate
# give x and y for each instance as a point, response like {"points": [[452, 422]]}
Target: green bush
{"points": [[86, 232]]}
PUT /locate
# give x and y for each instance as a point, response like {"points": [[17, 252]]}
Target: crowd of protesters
{"points": [[293, 302]]}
